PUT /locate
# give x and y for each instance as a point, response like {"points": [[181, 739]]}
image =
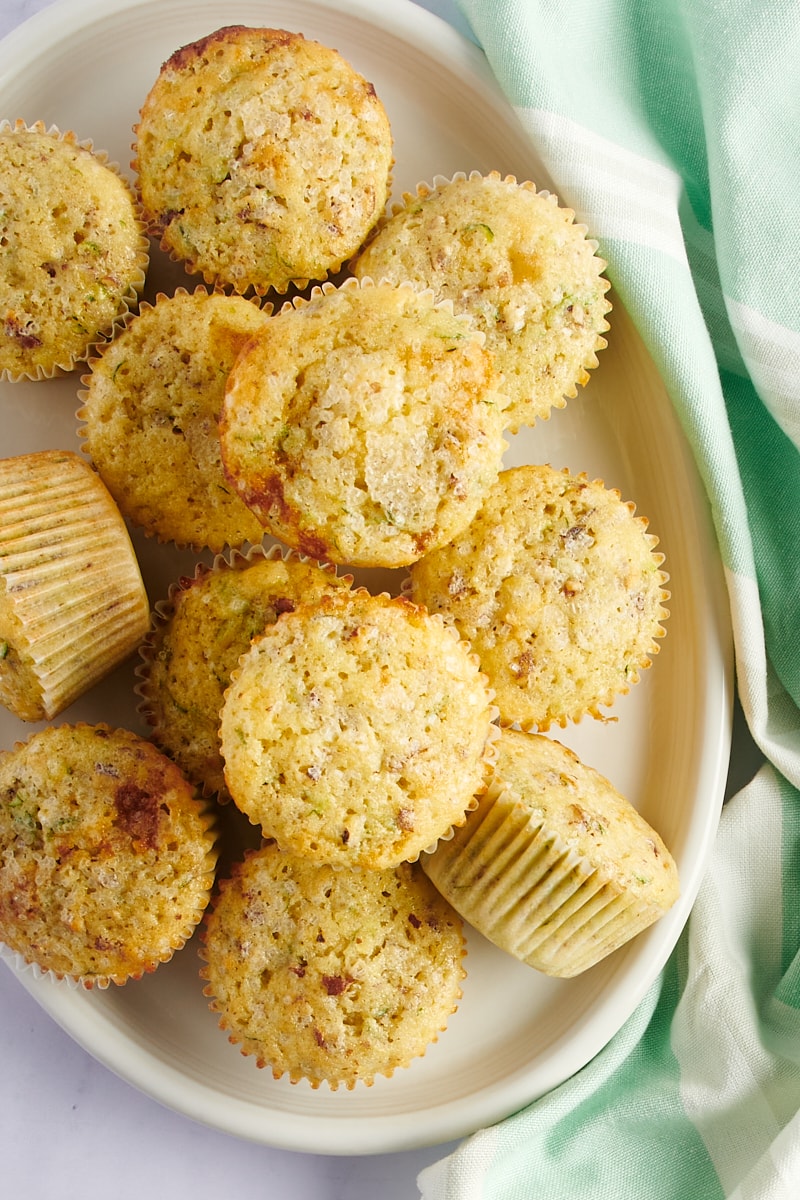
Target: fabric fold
{"points": [[671, 128]]}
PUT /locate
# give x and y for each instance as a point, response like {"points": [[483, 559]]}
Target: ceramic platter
{"points": [[87, 65]]}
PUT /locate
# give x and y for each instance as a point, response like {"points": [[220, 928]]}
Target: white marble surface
{"points": [[70, 1128]]}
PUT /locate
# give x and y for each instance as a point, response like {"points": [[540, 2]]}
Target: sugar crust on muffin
{"points": [[263, 158], [558, 586], [364, 426], [331, 976], [515, 260], [357, 730]]}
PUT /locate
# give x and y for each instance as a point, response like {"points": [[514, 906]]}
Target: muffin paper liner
{"points": [[531, 894], [70, 574]]}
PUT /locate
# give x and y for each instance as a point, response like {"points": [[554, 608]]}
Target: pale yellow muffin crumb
{"points": [[106, 855], [197, 639], [151, 403], [558, 587], [331, 976], [72, 600], [73, 251], [516, 261], [263, 158], [554, 866], [364, 426], [357, 730]]}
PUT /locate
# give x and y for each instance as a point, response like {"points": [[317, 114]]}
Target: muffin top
{"points": [[106, 858], [331, 975], [72, 250], [356, 730], [365, 425], [197, 640], [151, 405], [517, 262], [263, 158], [558, 586]]}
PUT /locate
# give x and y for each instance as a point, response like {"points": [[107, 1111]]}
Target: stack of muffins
{"points": [[388, 748]]}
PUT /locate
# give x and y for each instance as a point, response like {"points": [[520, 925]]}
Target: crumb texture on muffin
{"points": [[356, 730], [331, 976], [559, 588], [151, 404], [106, 855], [364, 426], [197, 640], [73, 252], [519, 264], [263, 158]]}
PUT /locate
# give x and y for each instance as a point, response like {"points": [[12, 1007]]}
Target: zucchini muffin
{"points": [[106, 855], [364, 426], [554, 866], [517, 262], [197, 639], [72, 601], [558, 586], [73, 250], [263, 158], [328, 975], [151, 405], [357, 730]]}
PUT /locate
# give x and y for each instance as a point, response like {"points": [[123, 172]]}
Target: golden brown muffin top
{"points": [[151, 403], [200, 634], [558, 586], [331, 975], [263, 158], [73, 253], [106, 856], [356, 730], [365, 425], [516, 261]]}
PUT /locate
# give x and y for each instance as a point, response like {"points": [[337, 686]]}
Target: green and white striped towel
{"points": [[672, 127]]}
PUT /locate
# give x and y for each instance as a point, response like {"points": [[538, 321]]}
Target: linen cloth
{"points": [[672, 127]]}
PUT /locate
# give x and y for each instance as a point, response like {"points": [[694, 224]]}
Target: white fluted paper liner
{"points": [[553, 900], [71, 590]]}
